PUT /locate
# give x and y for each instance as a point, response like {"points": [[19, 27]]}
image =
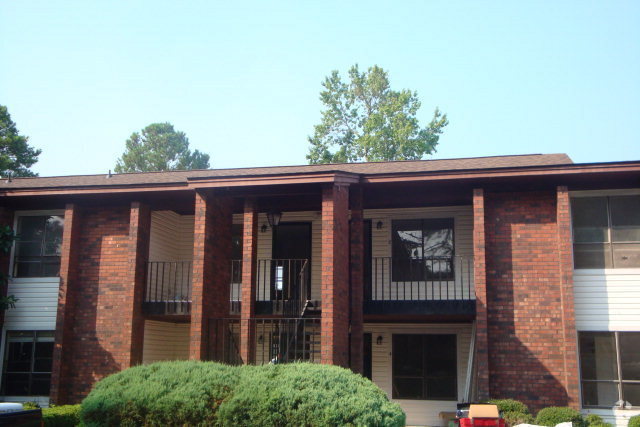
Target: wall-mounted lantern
{"points": [[379, 225], [379, 340], [274, 218]]}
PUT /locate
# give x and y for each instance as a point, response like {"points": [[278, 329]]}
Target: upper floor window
{"points": [[422, 249], [38, 246], [606, 231]]}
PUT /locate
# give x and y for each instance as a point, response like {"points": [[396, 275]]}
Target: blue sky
{"points": [[242, 78]]}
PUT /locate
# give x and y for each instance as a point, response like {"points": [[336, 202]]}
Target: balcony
{"points": [[168, 288], [281, 340], [434, 286]]}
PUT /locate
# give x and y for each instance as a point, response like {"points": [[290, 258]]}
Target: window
{"points": [[38, 246], [610, 368], [424, 367], [27, 363], [606, 232], [422, 249]]}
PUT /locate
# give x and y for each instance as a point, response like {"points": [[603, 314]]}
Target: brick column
{"points": [[335, 275], [139, 233], [565, 262], [211, 271], [249, 267], [62, 349], [356, 235], [480, 284]]}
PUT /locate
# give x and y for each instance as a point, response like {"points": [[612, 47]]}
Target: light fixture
{"points": [[260, 339], [379, 340], [274, 218], [379, 225], [263, 228]]}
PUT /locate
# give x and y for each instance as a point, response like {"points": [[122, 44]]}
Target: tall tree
{"points": [[364, 120], [16, 156], [159, 147]]}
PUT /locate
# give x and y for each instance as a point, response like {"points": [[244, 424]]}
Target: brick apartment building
{"points": [[443, 281]]}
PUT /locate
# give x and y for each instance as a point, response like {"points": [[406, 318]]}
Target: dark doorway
{"points": [[367, 356], [291, 266], [368, 252]]}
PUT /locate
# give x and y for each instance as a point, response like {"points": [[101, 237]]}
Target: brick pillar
{"points": [[211, 272], [480, 283], [249, 267], [335, 275], [565, 262], [62, 349], [139, 233], [356, 235]]}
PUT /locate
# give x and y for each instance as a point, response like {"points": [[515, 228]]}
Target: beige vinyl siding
{"points": [[607, 300], [463, 247], [419, 412], [165, 341], [37, 304]]}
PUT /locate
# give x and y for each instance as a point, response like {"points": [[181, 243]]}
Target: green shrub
{"points": [[206, 393], [304, 394], [61, 416], [165, 393], [510, 405], [593, 420], [515, 418], [634, 421], [556, 415], [28, 406]]}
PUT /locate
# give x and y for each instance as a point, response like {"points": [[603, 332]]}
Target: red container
{"points": [[482, 422]]}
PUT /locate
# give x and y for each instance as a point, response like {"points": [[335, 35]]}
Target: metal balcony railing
{"points": [[428, 279], [283, 285], [168, 288], [281, 340]]}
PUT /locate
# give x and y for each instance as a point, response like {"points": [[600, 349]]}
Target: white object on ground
{"points": [[11, 407]]}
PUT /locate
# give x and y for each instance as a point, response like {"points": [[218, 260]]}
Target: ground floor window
{"points": [[424, 367], [610, 369], [27, 363]]}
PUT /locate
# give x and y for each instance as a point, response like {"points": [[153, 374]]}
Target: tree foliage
{"points": [[364, 119], [16, 156], [159, 147]]}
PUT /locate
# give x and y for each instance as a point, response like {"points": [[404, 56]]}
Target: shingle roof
{"points": [[371, 168]]}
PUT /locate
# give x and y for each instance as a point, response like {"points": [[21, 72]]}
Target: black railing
{"points": [[168, 288], [427, 286], [283, 286], [280, 340]]}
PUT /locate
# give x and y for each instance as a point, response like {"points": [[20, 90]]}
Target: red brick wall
{"points": [[527, 291], [479, 265], [335, 276], [6, 218], [211, 272], [249, 272], [101, 335]]}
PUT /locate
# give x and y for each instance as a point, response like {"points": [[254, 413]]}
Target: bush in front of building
{"points": [[515, 418], [306, 394], [164, 393], [510, 405], [207, 393], [61, 416], [634, 421], [556, 415], [593, 420]]}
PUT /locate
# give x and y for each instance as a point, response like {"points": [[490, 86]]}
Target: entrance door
{"points": [[290, 248]]}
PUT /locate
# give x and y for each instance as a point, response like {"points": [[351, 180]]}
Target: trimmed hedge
{"points": [[556, 415], [515, 418], [593, 420], [634, 421], [61, 416], [510, 405], [207, 393], [307, 394]]}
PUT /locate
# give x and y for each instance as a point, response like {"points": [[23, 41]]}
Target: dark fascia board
{"points": [[335, 177]]}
